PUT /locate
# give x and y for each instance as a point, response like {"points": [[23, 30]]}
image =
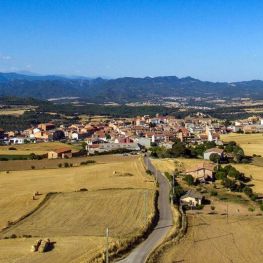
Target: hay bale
{"points": [[44, 246]]}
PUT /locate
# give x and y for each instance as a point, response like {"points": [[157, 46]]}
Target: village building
{"points": [[192, 199], [60, 153], [202, 172]]}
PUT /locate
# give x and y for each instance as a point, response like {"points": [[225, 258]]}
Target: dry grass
{"points": [[76, 221], [255, 172], [170, 164], [211, 239], [17, 187], [88, 214], [251, 143], [37, 148], [78, 249], [14, 112]]}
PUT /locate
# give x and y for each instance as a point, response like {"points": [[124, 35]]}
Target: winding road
{"points": [[142, 251]]}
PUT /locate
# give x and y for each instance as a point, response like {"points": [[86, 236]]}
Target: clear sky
{"points": [[206, 39]]}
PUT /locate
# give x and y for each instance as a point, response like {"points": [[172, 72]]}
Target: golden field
{"points": [[251, 143], [14, 112], [37, 148], [171, 164], [255, 172], [210, 238], [115, 199]]}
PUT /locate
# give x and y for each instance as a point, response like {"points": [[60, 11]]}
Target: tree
{"points": [[214, 157], [248, 191], [58, 135], [189, 179]]}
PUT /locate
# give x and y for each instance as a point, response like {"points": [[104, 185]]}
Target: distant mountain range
{"points": [[122, 90]]}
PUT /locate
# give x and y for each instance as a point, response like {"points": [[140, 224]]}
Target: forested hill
{"points": [[123, 90]]}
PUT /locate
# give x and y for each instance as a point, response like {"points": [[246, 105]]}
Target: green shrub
{"points": [[213, 193]]}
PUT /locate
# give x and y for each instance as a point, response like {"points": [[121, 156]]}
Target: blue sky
{"points": [[206, 39]]}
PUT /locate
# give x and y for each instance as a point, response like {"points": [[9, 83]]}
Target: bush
{"points": [[149, 172], [83, 190], [87, 162], [13, 236], [212, 208], [261, 206], [189, 179], [199, 207], [251, 209], [60, 165], [213, 193], [66, 165], [248, 191], [12, 149], [33, 167]]}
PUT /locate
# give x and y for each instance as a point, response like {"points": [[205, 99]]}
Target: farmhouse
{"points": [[191, 198], [202, 172], [60, 153], [208, 153]]}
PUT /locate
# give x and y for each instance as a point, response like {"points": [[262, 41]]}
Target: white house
{"points": [[191, 198], [16, 140]]}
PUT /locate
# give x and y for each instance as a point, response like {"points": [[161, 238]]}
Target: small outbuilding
{"points": [[192, 199], [60, 153]]}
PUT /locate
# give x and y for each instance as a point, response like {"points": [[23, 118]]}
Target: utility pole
{"points": [[107, 246], [145, 206], [173, 185], [227, 212]]}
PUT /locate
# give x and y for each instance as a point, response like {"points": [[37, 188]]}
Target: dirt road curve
{"points": [[140, 253]]}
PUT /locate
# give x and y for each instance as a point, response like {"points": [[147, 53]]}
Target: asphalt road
{"points": [[140, 253]]}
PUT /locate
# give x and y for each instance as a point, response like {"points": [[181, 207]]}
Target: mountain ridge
{"points": [[125, 89]]}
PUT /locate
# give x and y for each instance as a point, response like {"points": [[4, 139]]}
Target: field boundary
{"points": [[20, 219]]}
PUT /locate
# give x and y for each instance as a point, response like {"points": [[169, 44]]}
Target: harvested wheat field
{"points": [[37, 148], [115, 198], [251, 143], [256, 174], [87, 214], [66, 249], [210, 238], [17, 187], [170, 164]]}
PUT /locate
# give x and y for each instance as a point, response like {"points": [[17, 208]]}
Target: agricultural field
{"points": [[251, 143], [256, 174], [214, 238], [170, 164], [14, 112], [37, 148], [116, 187]]}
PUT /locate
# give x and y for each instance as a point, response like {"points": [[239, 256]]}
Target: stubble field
{"points": [[75, 220], [251, 143], [210, 238]]}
